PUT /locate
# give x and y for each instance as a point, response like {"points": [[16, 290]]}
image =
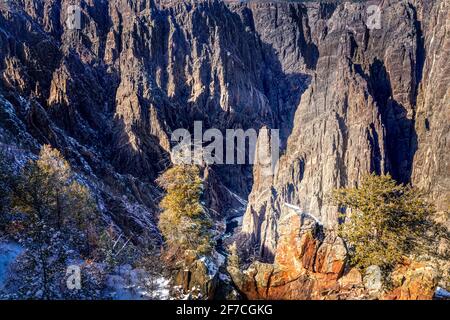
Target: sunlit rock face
{"points": [[110, 91], [369, 108], [311, 263], [348, 99]]}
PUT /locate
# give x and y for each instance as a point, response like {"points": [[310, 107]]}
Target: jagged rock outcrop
{"points": [[307, 263], [413, 281], [312, 264], [347, 100], [360, 114], [196, 277], [110, 93], [431, 161]]}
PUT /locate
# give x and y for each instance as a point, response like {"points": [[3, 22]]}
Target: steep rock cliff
{"points": [[110, 93], [363, 112], [347, 99]]}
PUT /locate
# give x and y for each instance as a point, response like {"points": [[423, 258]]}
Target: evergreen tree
{"points": [[385, 220], [43, 264], [48, 193], [58, 215], [183, 222], [5, 191]]}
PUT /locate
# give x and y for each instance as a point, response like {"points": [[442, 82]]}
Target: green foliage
{"points": [[5, 190], [47, 192], [7, 181], [43, 264], [386, 220], [57, 215], [149, 259], [183, 222]]}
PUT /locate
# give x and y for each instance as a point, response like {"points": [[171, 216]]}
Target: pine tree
{"points": [[385, 222], [183, 222], [59, 213], [43, 265], [48, 192]]}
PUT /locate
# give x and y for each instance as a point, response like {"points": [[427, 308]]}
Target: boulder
{"points": [[373, 279], [353, 278], [413, 281], [196, 274], [331, 256]]}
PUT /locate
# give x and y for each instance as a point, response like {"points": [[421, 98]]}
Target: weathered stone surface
{"points": [[373, 279], [307, 264], [194, 276], [413, 281], [331, 257], [432, 125], [351, 279], [348, 100], [110, 94], [370, 107]]}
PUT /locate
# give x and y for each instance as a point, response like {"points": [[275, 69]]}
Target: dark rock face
{"points": [[363, 112], [195, 277], [347, 100], [431, 162], [110, 94]]}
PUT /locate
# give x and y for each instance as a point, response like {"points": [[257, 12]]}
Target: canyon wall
{"points": [[110, 93], [368, 109], [348, 99]]}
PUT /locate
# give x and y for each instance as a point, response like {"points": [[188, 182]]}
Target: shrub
{"points": [[386, 220]]}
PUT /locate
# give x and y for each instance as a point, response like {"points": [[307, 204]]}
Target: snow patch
{"points": [[8, 254], [238, 198], [136, 284], [211, 266], [441, 293], [304, 214]]}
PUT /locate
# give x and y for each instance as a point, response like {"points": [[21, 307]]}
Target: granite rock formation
{"points": [[311, 264], [348, 99], [368, 109], [110, 93]]}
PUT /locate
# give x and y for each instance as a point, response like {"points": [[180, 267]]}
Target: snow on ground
{"points": [[224, 277], [9, 252], [441, 293], [238, 220], [298, 210], [135, 284], [220, 259], [211, 266], [238, 198]]}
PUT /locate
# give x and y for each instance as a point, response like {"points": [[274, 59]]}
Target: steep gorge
{"points": [[110, 94], [347, 99]]}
